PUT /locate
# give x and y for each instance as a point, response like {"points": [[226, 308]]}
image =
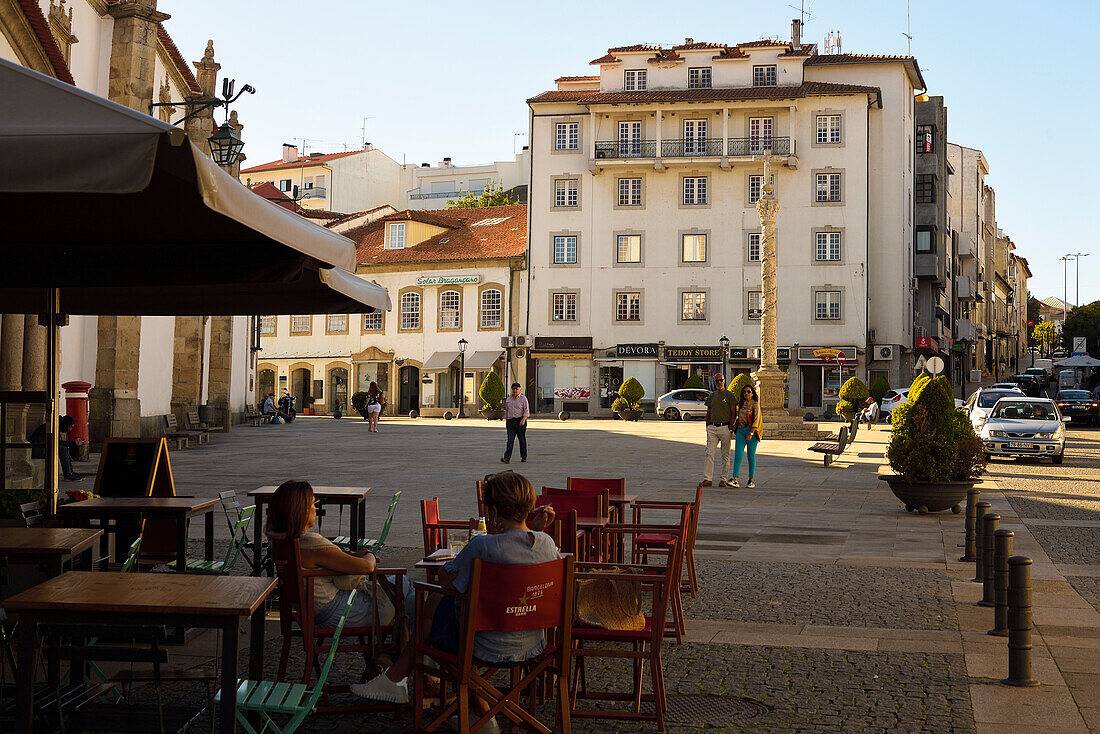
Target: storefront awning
{"points": [[439, 361], [483, 360]]}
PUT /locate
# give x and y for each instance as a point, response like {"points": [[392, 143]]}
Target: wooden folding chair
{"points": [[657, 544], [586, 506], [513, 598], [613, 487], [435, 529]]}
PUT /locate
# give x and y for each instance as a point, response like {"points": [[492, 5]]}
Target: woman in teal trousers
{"points": [[748, 428]]}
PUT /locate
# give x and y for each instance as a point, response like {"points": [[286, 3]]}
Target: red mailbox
{"points": [[76, 405]]}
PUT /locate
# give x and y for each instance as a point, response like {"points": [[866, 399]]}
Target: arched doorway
{"points": [[409, 381], [301, 387], [265, 382], [338, 389]]}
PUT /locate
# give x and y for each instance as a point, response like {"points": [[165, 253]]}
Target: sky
{"points": [[436, 79]]}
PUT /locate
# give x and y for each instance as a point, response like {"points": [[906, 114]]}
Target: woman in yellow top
{"points": [[748, 427]]}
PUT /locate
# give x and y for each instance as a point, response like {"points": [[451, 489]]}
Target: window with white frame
{"points": [[694, 306], [630, 138], [336, 323], [760, 134], [827, 246], [827, 305], [449, 304], [764, 76], [756, 184], [565, 249], [634, 80], [753, 245], [565, 307], [629, 248], [301, 324], [699, 77], [630, 192], [491, 308], [828, 187], [695, 190], [373, 321], [410, 311], [267, 325], [828, 129], [628, 306], [693, 248], [397, 236], [565, 192], [567, 135], [695, 137], [754, 304]]}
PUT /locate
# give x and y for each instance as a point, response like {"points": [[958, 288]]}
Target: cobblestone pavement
{"points": [[1088, 587], [820, 594], [1079, 546]]}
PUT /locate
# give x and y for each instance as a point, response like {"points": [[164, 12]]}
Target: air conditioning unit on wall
{"points": [[522, 341], [507, 341], [884, 353]]}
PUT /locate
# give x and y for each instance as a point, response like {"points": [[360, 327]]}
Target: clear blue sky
{"points": [[451, 79]]}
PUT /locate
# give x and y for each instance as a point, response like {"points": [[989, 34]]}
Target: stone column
{"points": [[133, 53], [187, 365], [221, 369], [769, 377], [11, 352]]}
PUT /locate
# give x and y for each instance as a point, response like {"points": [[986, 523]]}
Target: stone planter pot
{"points": [[490, 414], [630, 415], [925, 497]]}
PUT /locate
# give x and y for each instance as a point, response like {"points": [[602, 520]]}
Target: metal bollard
{"points": [[1002, 549], [980, 510], [990, 523], [1019, 623], [970, 545]]}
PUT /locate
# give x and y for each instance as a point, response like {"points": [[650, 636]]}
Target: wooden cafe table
{"points": [[180, 509], [354, 497], [208, 602], [49, 547]]}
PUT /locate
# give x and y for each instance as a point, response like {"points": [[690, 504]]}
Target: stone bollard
{"points": [[990, 523], [980, 509], [1002, 549], [970, 545], [1019, 623]]}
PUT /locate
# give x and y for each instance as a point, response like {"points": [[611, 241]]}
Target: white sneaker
{"points": [[381, 688], [733, 482], [751, 484]]}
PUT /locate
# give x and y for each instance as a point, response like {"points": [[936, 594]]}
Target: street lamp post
{"points": [[725, 343], [462, 344], [1077, 256]]}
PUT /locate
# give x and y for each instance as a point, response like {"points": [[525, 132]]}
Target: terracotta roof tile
{"points": [[271, 192], [730, 52], [594, 78], [805, 49], [177, 59], [437, 217], [806, 89], [696, 45], [321, 214], [504, 236], [761, 43], [634, 47], [41, 28], [605, 59], [352, 215], [302, 161], [665, 55], [827, 59]]}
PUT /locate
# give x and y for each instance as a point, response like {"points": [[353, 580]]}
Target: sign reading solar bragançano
{"points": [[448, 280]]}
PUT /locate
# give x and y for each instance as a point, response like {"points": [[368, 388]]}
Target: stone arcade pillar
{"points": [[769, 377], [11, 352], [221, 369], [187, 364]]}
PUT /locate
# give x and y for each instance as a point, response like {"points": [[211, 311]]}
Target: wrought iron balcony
{"points": [[691, 148], [759, 146], [614, 149]]}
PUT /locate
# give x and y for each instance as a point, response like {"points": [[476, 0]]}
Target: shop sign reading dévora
{"points": [[448, 279]]}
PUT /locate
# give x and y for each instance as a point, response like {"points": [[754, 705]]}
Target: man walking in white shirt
{"points": [[516, 413]]}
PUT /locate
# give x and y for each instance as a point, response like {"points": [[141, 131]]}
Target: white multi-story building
{"points": [[644, 246], [431, 187]]}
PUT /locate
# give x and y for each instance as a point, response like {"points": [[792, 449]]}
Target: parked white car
{"points": [[894, 398], [685, 404], [981, 402], [1023, 426]]}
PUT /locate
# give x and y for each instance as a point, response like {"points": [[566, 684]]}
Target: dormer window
{"points": [[634, 80], [699, 77], [397, 236], [764, 76]]}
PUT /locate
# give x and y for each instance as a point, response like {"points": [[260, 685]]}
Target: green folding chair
{"points": [[269, 698], [374, 544], [239, 540]]}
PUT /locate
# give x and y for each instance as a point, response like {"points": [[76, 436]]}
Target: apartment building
{"points": [[431, 187], [971, 207], [456, 276], [645, 240]]}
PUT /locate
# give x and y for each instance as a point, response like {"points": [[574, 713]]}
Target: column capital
{"points": [[137, 9]]}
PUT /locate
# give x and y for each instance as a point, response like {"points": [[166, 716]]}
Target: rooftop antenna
{"points": [[364, 128], [306, 142], [908, 29], [515, 139], [832, 42], [803, 12]]}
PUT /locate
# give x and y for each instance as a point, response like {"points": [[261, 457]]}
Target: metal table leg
{"points": [[24, 676], [210, 536], [227, 712], [181, 545], [257, 543]]}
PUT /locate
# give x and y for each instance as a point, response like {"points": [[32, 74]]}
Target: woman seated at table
{"points": [[510, 500], [292, 514]]}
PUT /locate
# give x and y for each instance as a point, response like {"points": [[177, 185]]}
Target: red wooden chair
{"points": [[614, 487], [513, 598], [297, 618], [655, 544], [644, 644], [435, 529], [587, 506], [566, 535]]}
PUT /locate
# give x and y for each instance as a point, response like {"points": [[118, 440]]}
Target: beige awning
{"points": [[439, 361], [483, 360]]}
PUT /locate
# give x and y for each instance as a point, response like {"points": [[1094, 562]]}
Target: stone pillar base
{"points": [[111, 414], [222, 417], [769, 383]]}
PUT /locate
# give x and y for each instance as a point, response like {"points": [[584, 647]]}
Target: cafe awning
{"points": [[125, 216], [483, 360], [439, 361], [1079, 360]]}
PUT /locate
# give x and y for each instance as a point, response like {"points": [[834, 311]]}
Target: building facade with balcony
{"points": [[970, 202], [454, 275], [645, 240], [431, 187], [352, 181]]}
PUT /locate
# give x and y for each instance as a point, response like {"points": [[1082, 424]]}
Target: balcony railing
{"points": [[314, 192], [690, 148]]}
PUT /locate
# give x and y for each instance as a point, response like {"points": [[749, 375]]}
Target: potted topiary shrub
{"points": [[627, 405], [879, 388], [359, 402], [853, 394], [738, 383], [694, 383], [934, 452], [492, 396]]}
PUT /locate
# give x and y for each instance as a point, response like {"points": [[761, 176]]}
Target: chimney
{"points": [[796, 34], [689, 41], [290, 153]]}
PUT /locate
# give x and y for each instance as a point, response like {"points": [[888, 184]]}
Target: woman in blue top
{"points": [[509, 499]]}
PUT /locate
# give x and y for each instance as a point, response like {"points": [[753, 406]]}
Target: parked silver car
{"points": [[684, 404], [1023, 426]]}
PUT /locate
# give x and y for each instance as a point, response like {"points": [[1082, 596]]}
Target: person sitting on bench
{"points": [[65, 447]]}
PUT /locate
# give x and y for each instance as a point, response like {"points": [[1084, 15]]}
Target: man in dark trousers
{"points": [[516, 413]]}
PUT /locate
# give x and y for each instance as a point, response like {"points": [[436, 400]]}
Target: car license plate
{"points": [[1020, 445]]}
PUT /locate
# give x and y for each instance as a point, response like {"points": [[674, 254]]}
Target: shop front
{"points": [[562, 375], [682, 363], [822, 370], [746, 360], [373, 365], [619, 364]]}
